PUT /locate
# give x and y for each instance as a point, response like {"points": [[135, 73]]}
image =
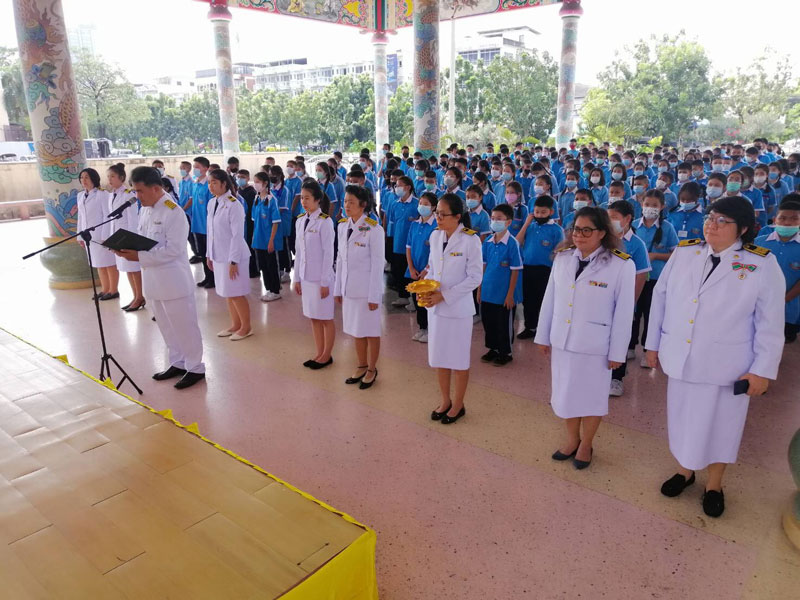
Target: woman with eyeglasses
{"points": [[456, 262], [716, 325], [585, 326]]}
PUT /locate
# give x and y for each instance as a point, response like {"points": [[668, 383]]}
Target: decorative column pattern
{"points": [[381, 92], [56, 130], [220, 18], [791, 517], [426, 77], [570, 12]]}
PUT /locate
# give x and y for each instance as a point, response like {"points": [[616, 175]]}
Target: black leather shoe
{"points": [[675, 485], [489, 356], [502, 360], [209, 285], [97, 296], [195, 259], [559, 455], [109, 296], [437, 416], [526, 335], [582, 464], [447, 419], [365, 385], [131, 308], [352, 380], [189, 380], [713, 503], [127, 306], [202, 283], [169, 374], [308, 362], [314, 365]]}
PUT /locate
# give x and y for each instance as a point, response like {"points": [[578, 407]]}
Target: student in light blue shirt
{"points": [[513, 197], [422, 174], [660, 239], [418, 249], [324, 177], [687, 217], [567, 197], [267, 236], [541, 187], [501, 289], [478, 216], [640, 188], [452, 183], [583, 197], [482, 181], [597, 183], [401, 214], [538, 239], [776, 183], [739, 184], [498, 179]]}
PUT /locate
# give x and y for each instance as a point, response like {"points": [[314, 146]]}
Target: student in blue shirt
{"points": [[200, 198], [401, 214], [768, 193], [267, 237], [698, 173], [621, 215], [660, 239], [583, 197], [664, 185], [478, 216], [538, 239], [618, 174], [542, 168], [281, 197], [185, 188], [482, 181], [776, 183], [640, 185], [499, 185], [324, 177], [567, 197], [452, 184], [418, 249], [421, 176], [687, 217], [338, 181], [784, 242], [513, 197], [739, 185], [500, 290], [597, 181]]}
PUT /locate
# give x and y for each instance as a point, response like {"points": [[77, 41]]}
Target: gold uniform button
{"points": [[695, 300], [572, 287], [570, 304], [688, 341], [691, 321], [568, 321]]}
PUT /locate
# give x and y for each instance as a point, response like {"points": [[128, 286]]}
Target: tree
{"points": [[302, 120], [344, 105], [764, 86], [662, 88], [401, 115], [13, 88], [198, 118]]}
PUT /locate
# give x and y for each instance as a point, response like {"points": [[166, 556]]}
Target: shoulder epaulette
{"points": [[170, 204], [343, 220], [370, 221], [621, 254], [565, 248], [685, 243], [322, 215], [753, 249], [469, 231], [231, 198], [129, 191]]}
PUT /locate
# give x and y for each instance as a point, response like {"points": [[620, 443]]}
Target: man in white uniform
{"points": [[167, 278]]}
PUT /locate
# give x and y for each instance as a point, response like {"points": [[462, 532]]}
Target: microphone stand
{"points": [[107, 358]]}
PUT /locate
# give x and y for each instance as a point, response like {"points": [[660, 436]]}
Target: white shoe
{"points": [[476, 319], [285, 277], [270, 296], [643, 363], [224, 333], [631, 354], [424, 337], [236, 337], [400, 302], [416, 336], [616, 388], [410, 307], [387, 268]]}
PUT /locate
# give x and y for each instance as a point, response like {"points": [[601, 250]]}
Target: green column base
{"points": [[68, 266], [791, 518]]}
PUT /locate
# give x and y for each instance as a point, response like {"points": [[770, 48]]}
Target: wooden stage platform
{"points": [[101, 497]]}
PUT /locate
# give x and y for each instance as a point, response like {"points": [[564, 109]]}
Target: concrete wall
{"points": [[20, 180]]}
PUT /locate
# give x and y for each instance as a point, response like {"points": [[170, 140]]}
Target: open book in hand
{"points": [[123, 239]]}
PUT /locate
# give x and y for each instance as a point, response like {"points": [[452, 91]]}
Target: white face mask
{"points": [[259, 186], [290, 171], [661, 184], [595, 179], [649, 212], [617, 227], [579, 204], [759, 179]]}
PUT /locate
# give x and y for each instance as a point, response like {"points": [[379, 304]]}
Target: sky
{"points": [[150, 38]]}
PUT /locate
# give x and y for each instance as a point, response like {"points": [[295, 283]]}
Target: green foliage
{"points": [[13, 88], [148, 146], [401, 116]]}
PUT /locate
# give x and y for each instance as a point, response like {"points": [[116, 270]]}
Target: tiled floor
{"points": [[476, 510]]}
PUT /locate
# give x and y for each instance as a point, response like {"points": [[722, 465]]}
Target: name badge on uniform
{"points": [[503, 263], [683, 233], [795, 266], [545, 242], [456, 254], [156, 222], [361, 244], [600, 284]]}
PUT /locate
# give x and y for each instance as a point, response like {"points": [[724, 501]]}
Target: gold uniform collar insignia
{"points": [[620, 254], [169, 204], [753, 249], [322, 215], [469, 231], [371, 221], [685, 243]]}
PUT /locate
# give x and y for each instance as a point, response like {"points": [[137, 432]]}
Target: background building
{"points": [[488, 45]]}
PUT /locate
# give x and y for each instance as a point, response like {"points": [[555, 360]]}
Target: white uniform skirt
{"points": [[231, 288], [315, 307], [449, 342], [124, 265], [705, 422], [580, 384], [358, 320], [103, 257]]}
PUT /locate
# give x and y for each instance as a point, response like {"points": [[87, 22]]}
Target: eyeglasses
{"points": [[440, 215], [583, 231], [718, 221]]}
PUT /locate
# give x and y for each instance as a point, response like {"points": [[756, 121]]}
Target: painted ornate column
{"points": [[381, 92], [426, 77], [220, 18], [570, 12], [791, 518], [56, 127]]}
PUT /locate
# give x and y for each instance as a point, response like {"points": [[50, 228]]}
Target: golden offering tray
{"points": [[423, 287]]}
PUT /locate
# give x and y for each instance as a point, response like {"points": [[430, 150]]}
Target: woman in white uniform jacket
{"points": [[711, 326], [456, 262], [585, 325], [129, 220], [92, 205], [313, 270], [359, 282], [227, 250]]}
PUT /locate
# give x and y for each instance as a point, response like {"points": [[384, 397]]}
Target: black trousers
{"points": [[498, 325], [388, 253], [619, 372], [248, 236], [422, 312], [192, 242], [534, 284], [399, 264], [201, 241], [284, 258], [790, 331], [642, 312], [268, 265]]}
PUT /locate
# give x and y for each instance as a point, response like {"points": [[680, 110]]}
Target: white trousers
{"points": [[177, 321]]}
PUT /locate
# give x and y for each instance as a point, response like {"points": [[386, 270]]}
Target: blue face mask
{"points": [[616, 176], [472, 204], [638, 172], [184, 172], [787, 230], [571, 183], [638, 189], [498, 226], [507, 176], [673, 165], [687, 206], [424, 211], [716, 168], [773, 176], [663, 169], [713, 192], [538, 190], [197, 173], [579, 204], [241, 181], [626, 162]]}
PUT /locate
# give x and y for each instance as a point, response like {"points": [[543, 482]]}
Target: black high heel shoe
{"points": [[352, 380], [559, 455], [437, 416], [130, 308], [447, 419], [365, 385]]}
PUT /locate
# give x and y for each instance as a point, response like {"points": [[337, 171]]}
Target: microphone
{"points": [[121, 208]]}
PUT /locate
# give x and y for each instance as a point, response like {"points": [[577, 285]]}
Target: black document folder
{"points": [[123, 239]]}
